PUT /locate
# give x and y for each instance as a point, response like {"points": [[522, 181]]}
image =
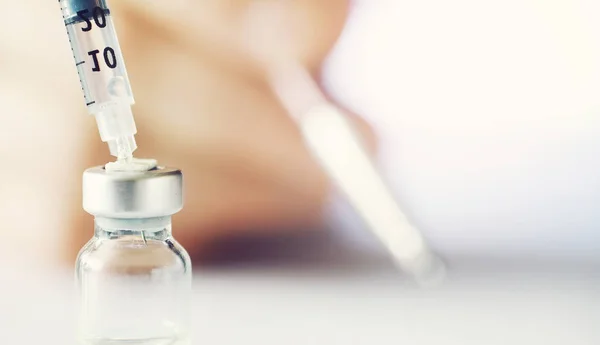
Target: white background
{"points": [[372, 306], [489, 114]]}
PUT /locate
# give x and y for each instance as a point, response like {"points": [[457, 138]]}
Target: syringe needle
{"points": [[124, 148]]}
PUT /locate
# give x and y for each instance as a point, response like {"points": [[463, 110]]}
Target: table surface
{"points": [[366, 305]]}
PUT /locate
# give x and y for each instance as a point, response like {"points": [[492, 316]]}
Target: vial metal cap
{"points": [[126, 195]]}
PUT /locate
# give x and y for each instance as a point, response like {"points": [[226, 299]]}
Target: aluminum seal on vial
{"points": [[126, 195]]}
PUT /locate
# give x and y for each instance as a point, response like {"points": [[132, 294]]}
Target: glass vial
{"points": [[134, 279]]}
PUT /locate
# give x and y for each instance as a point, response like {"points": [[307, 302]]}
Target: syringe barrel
{"points": [[97, 54], [71, 7], [102, 72]]}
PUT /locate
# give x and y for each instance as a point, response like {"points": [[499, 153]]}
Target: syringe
{"points": [[102, 72], [333, 141]]}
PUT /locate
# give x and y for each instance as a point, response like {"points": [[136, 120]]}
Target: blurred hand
{"points": [[203, 105]]}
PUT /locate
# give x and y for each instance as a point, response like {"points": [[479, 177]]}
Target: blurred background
{"points": [[484, 116]]}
